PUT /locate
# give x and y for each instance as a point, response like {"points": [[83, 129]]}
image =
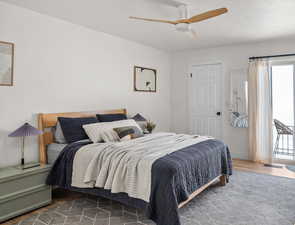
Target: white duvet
{"points": [[126, 166]]}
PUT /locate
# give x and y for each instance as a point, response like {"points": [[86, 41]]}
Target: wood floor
{"points": [[60, 196], [260, 168]]}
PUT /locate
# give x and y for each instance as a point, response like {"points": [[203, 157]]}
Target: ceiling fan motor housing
{"points": [[183, 14]]}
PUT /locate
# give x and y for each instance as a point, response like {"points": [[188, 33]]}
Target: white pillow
{"points": [[95, 130]]}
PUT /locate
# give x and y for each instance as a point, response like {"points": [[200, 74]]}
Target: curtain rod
{"points": [[270, 56]]}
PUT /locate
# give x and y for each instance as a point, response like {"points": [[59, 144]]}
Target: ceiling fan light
{"points": [[183, 27]]}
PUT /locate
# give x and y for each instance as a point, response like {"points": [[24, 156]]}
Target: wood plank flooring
{"points": [[60, 196], [260, 168]]}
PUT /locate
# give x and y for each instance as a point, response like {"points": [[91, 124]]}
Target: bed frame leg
{"points": [[223, 180]]}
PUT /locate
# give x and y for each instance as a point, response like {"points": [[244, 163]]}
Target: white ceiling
{"points": [[247, 20]]}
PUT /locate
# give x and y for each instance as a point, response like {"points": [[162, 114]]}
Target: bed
{"points": [[175, 178]]}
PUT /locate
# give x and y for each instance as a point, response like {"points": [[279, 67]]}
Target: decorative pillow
{"points": [[58, 134], [95, 130], [139, 117], [133, 131], [109, 136], [72, 127], [110, 117], [140, 120]]}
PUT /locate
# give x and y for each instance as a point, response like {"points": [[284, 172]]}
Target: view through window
{"points": [[283, 111]]}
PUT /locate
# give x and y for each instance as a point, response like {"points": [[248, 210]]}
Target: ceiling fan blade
{"points": [[204, 16], [153, 20]]}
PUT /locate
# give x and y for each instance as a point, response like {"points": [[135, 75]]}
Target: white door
{"points": [[205, 94]]}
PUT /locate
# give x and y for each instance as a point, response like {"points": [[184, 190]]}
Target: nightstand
{"points": [[22, 191]]}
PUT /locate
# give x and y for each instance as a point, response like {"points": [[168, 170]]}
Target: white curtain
{"points": [[260, 111]]}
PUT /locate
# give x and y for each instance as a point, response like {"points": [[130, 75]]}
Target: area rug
{"points": [[291, 168], [249, 199]]}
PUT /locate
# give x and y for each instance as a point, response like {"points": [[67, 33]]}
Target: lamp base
{"points": [[28, 166]]}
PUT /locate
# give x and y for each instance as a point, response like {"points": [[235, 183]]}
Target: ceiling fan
{"points": [[184, 22]]}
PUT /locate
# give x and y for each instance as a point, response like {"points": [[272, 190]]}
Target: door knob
{"points": [[218, 113]]}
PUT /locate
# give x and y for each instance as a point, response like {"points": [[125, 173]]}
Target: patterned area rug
{"points": [[249, 199]]}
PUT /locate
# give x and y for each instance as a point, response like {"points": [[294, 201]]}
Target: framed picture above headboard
{"points": [[145, 79], [6, 63]]}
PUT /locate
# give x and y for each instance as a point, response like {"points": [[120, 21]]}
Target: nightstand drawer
{"points": [[15, 184], [16, 204]]}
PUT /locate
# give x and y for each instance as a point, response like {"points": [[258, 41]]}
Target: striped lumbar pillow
{"points": [[95, 130], [133, 131]]}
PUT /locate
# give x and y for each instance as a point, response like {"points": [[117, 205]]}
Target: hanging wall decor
{"points": [[145, 79], [6, 63]]}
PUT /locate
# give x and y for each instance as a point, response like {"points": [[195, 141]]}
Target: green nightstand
{"points": [[22, 191]]}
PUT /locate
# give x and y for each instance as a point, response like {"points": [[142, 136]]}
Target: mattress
{"points": [[53, 151]]}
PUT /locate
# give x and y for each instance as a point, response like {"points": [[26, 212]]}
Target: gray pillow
{"points": [[59, 135], [139, 117], [140, 120]]}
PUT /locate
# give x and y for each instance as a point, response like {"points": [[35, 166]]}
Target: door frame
{"points": [[189, 91], [282, 63]]}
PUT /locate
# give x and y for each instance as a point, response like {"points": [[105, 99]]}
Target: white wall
{"points": [[232, 57], [62, 67]]}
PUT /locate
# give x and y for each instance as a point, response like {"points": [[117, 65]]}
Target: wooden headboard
{"points": [[49, 120]]}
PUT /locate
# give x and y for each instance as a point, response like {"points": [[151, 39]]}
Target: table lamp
{"points": [[25, 131]]}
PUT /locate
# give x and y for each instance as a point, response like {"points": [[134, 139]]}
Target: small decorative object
{"points": [[150, 126], [24, 131], [145, 79], [6, 63]]}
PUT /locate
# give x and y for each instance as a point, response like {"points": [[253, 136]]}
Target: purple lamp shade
{"points": [[25, 130]]}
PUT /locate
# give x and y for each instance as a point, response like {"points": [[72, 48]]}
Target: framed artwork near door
{"points": [[145, 79], [6, 63]]}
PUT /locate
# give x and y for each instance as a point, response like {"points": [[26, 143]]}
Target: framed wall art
{"points": [[6, 63], [145, 79]]}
